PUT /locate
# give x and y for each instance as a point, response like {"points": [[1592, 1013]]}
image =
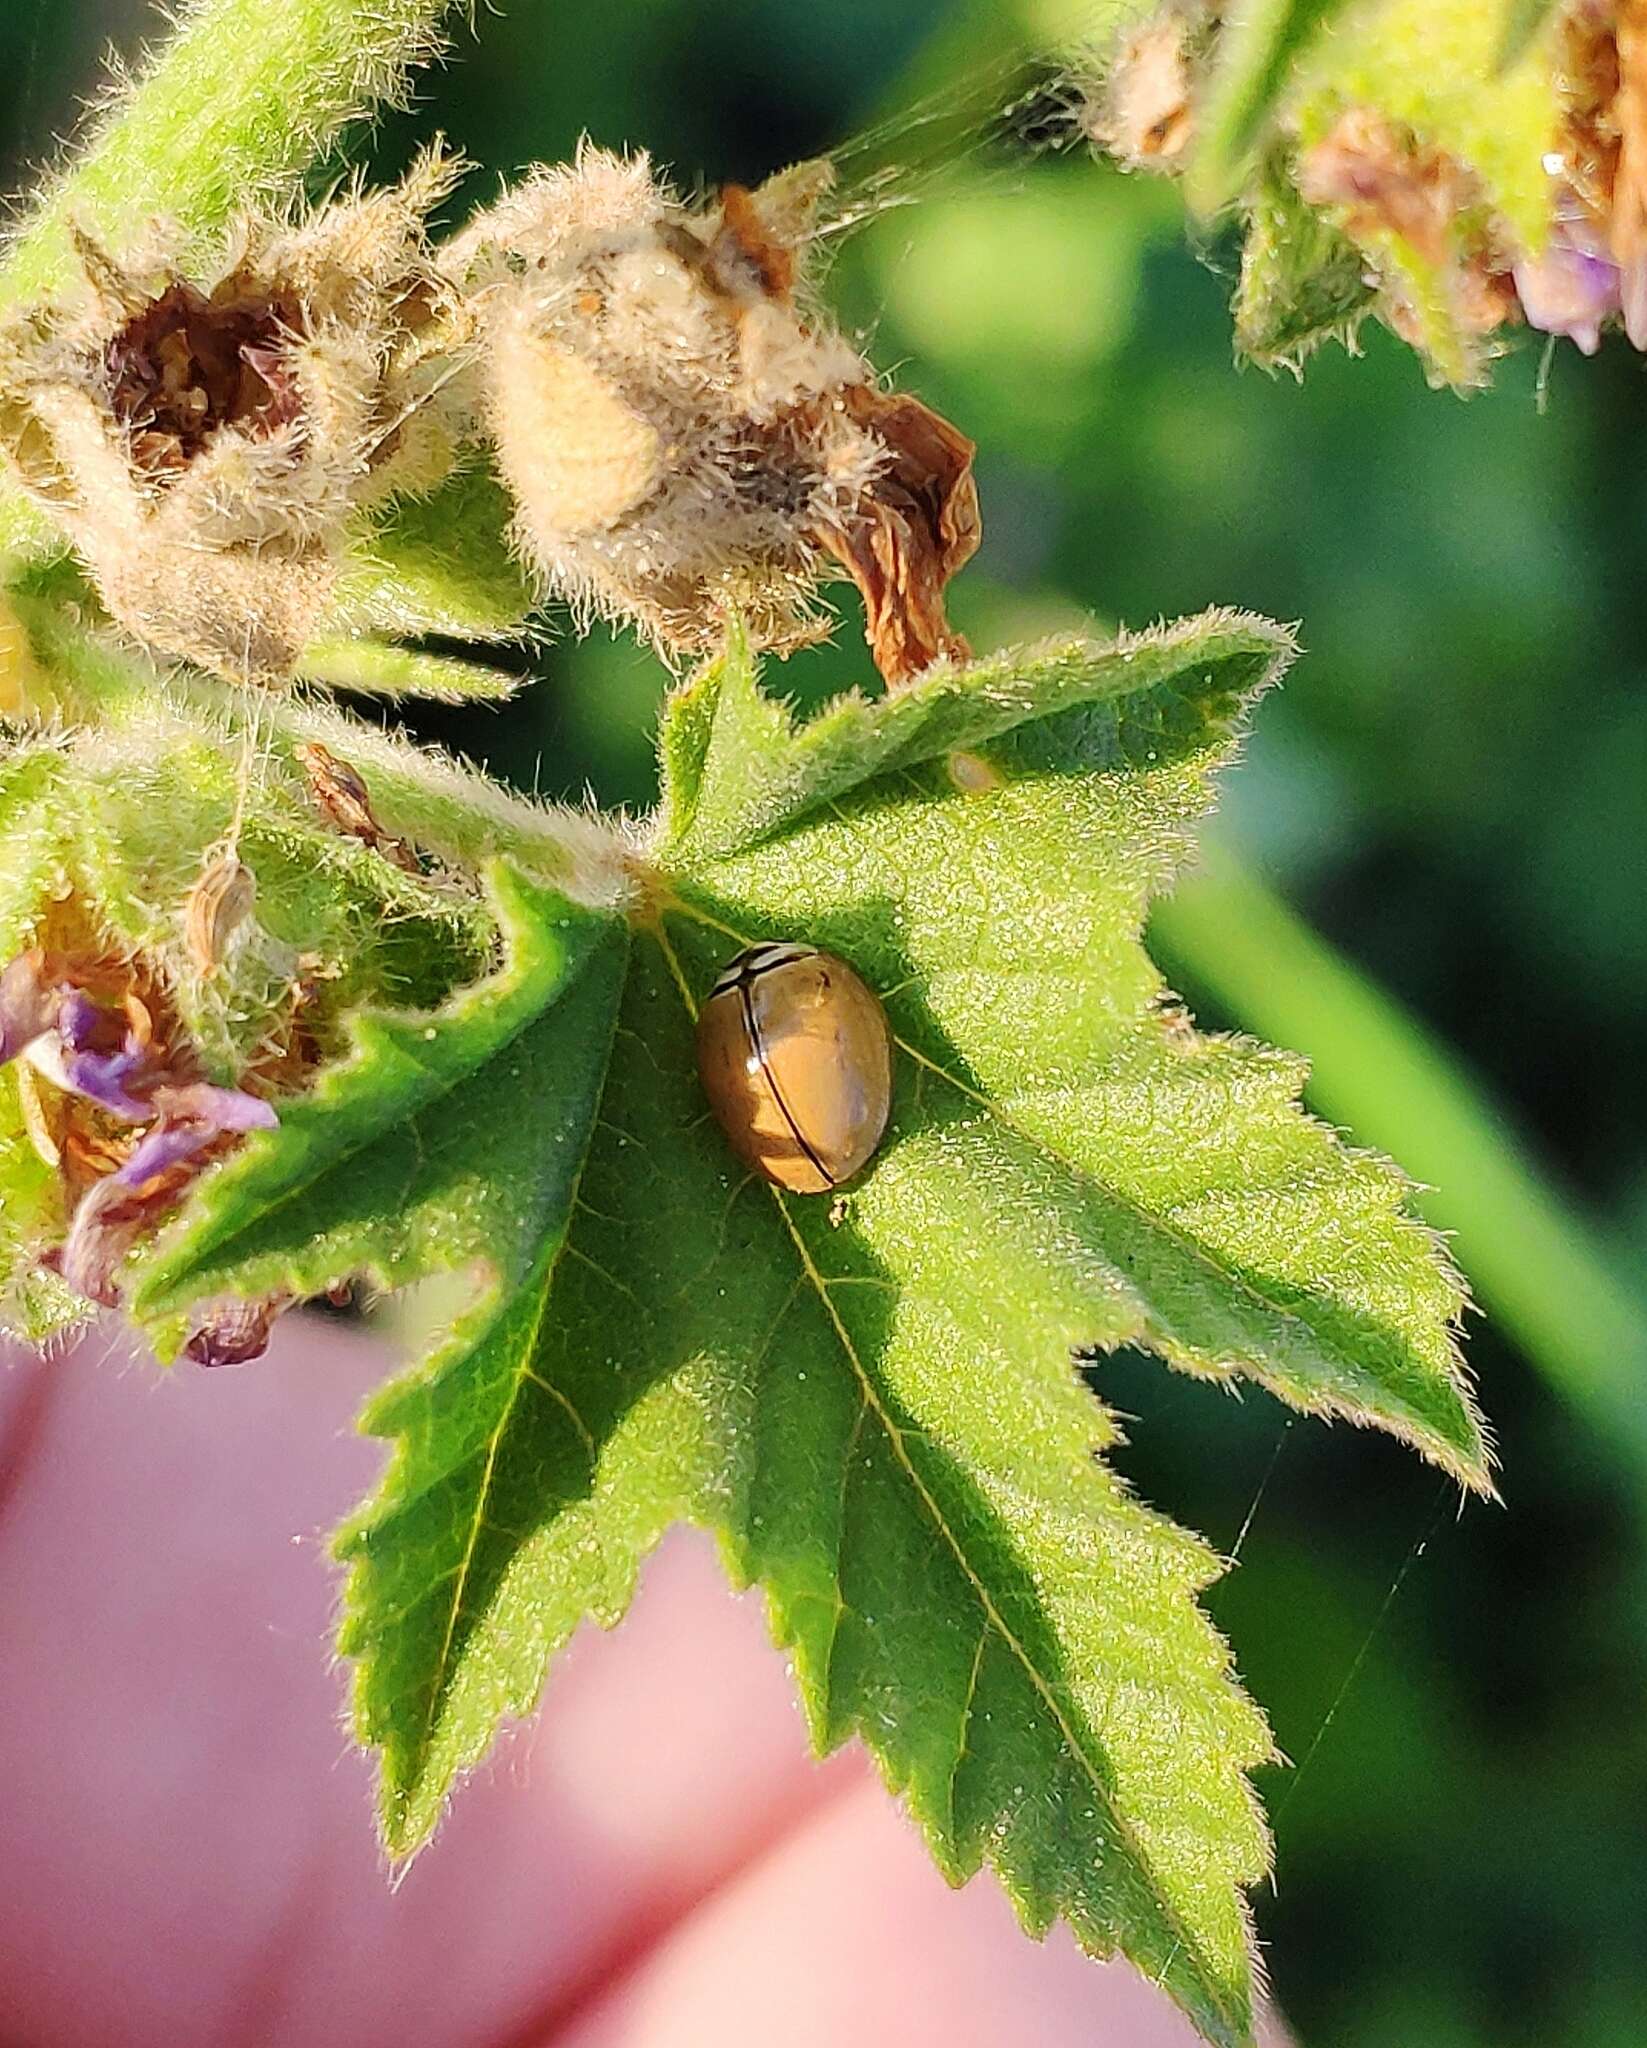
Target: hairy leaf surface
{"points": [[872, 1399]]}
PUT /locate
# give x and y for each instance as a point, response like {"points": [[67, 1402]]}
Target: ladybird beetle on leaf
{"points": [[795, 1055]]}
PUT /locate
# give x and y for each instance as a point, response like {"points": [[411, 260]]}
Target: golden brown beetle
{"points": [[796, 1060]]}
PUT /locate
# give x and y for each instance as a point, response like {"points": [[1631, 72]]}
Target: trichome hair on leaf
{"points": [[203, 438], [686, 435]]}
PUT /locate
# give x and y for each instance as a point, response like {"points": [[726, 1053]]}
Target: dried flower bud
{"points": [[1144, 115], [236, 1332], [684, 434], [1384, 183], [203, 440]]}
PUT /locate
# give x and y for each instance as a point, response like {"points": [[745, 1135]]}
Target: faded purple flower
{"points": [[99, 1073], [190, 1119], [73, 1040], [1573, 286], [106, 1056], [114, 1211]]}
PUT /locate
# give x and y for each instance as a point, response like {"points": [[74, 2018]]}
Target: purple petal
{"points": [[1568, 291], [165, 1146], [191, 1118], [1572, 285], [102, 1076], [224, 1109], [28, 1008], [77, 1018]]}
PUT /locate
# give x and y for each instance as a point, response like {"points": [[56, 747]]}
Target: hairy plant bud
{"points": [[204, 439], [685, 435], [1143, 115]]}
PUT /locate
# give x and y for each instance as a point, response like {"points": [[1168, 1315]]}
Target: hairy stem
{"points": [[237, 103]]}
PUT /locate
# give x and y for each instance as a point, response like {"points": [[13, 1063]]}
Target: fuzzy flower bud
{"points": [[685, 436], [1144, 113]]}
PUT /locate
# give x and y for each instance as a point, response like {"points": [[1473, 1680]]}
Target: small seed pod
{"points": [[795, 1055], [217, 906], [1143, 113]]}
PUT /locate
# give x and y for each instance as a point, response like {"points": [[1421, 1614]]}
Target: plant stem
{"points": [[234, 106]]}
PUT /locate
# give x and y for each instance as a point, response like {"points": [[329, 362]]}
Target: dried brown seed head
{"points": [[187, 365], [205, 439]]}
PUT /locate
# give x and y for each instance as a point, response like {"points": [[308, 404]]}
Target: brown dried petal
{"points": [[109, 1220], [746, 258], [912, 527], [1384, 180], [219, 903], [342, 795], [1586, 79], [236, 1332]]}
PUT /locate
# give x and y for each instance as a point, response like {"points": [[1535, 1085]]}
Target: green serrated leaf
{"points": [[393, 1165], [737, 771], [872, 1401]]}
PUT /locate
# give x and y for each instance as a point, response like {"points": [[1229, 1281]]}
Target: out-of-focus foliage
{"points": [[1450, 785]]}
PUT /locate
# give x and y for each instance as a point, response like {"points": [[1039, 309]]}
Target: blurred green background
{"points": [[1449, 795]]}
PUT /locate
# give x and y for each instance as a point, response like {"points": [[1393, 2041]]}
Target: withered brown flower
{"points": [[203, 439]]}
